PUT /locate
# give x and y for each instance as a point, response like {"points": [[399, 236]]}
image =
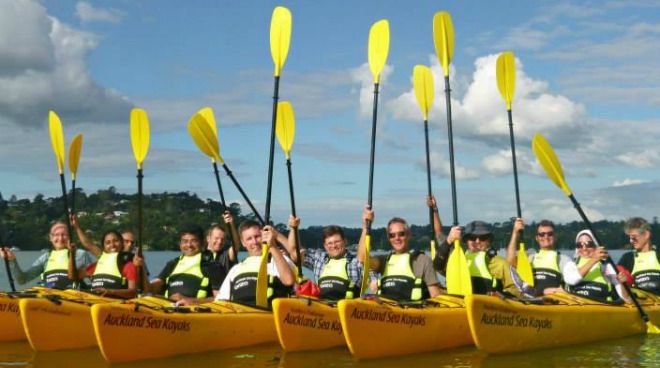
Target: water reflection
{"points": [[637, 351]]}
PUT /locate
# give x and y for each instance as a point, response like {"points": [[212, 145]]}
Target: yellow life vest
{"points": [[244, 285], [56, 270], [593, 285], [334, 282], [646, 271], [187, 278], [482, 280], [107, 273], [545, 267], [399, 282]]}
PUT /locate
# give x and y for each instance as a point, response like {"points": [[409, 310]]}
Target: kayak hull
{"points": [[142, 329], [504, 326], [10, 319], [60, 321], [440, 324], [307, 324]]}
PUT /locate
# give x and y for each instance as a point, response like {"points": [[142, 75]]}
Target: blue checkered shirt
{"points": [[316, 259]]}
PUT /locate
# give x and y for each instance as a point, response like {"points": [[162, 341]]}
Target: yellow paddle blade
{"points": [[652, 329], [207, 113], [506, 76], [74, 154], [423, 85], [459, 281], [280, 37], [139, 135], [364, 288], [523, 267], [204, 137], [56, 139], [285, 126], [548, 160], [262, 278], [379, 47], [443, 39]]}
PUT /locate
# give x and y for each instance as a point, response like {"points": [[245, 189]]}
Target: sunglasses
{"points": [[400, 234], [481, 238], [542, 234], [587, 244]]}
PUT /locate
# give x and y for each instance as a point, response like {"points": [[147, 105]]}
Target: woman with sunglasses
{"points": [[599, 281], [406, 275], [643, 263]]}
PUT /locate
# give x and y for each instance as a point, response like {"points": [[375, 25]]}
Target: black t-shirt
{"points": [[213, 270]]}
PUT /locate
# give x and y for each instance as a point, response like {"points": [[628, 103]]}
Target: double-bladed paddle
{"points": [[140, 136], [74, 158], [202, 129], [57, 141], [506, 84], [548, 159], [286, 131], [379, 48], [424, 92], [458, 273]]}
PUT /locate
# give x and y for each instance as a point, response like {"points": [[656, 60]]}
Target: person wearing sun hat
{"points": [[600, 280]]}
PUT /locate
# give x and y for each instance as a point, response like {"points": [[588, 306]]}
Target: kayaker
{"points": [[129, 241], [52, 266], [113, 274], [643, 263], [552, 270], [240, 285], [489, 272], [336, 271], [215, 243], [599, 281], [190, 278], [406, 275]]}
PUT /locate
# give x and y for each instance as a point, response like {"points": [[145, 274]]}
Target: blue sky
{"points": [[586, 78]]}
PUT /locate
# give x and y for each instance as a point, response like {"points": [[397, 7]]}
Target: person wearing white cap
{"points": [[599, 279]]}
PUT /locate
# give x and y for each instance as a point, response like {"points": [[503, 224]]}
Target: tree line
{"points": [[24, 223]]}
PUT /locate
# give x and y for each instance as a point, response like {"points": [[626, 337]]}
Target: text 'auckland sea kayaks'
{"points": [[307, 324]]}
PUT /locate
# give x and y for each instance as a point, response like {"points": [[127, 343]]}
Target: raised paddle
{"points": [[286, 131], [379, 48], [506, 84], [207, 114], [548, 159], [57, 141], [202, 131], [423, 86], [280, 38], [458, 274], [5, 241], [74, 158], [139, 126]]}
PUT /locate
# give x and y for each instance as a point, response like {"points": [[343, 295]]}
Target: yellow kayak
{"points": [[504, 325], [147, 328], [377, 329], [307, 324], [64, 314], [10, 318]]}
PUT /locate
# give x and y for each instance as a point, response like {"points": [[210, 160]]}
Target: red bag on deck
{"points": [[308, 288]]}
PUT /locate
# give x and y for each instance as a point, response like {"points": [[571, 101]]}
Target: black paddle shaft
{"points": [[10, 278], [139, 230], [515, 170], [293, 212], [72, 255], [276, 88], [373, 153], [450, 136], [642, 313], [73, 195], [217, 180], [428, 172], [245, 197]]}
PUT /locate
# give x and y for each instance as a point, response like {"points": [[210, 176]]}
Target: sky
{"points": [[586, 78]]}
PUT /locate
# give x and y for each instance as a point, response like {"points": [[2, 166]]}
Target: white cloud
{"points": [[628, 181], [362, 75], [51, 72], [88, 13]]}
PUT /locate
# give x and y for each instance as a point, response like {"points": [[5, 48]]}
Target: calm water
{"points": [[637, 351]]}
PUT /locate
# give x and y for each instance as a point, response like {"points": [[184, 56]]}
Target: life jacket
{"points": [[482, 280], [593, 285], [399, 282], [56, 271], [187, 278], [334, 281], [244, 285], [107, 273], [646, 271], [545, 267]]}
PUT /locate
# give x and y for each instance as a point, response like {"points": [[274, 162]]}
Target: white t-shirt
{"points": [[271, 270]]}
